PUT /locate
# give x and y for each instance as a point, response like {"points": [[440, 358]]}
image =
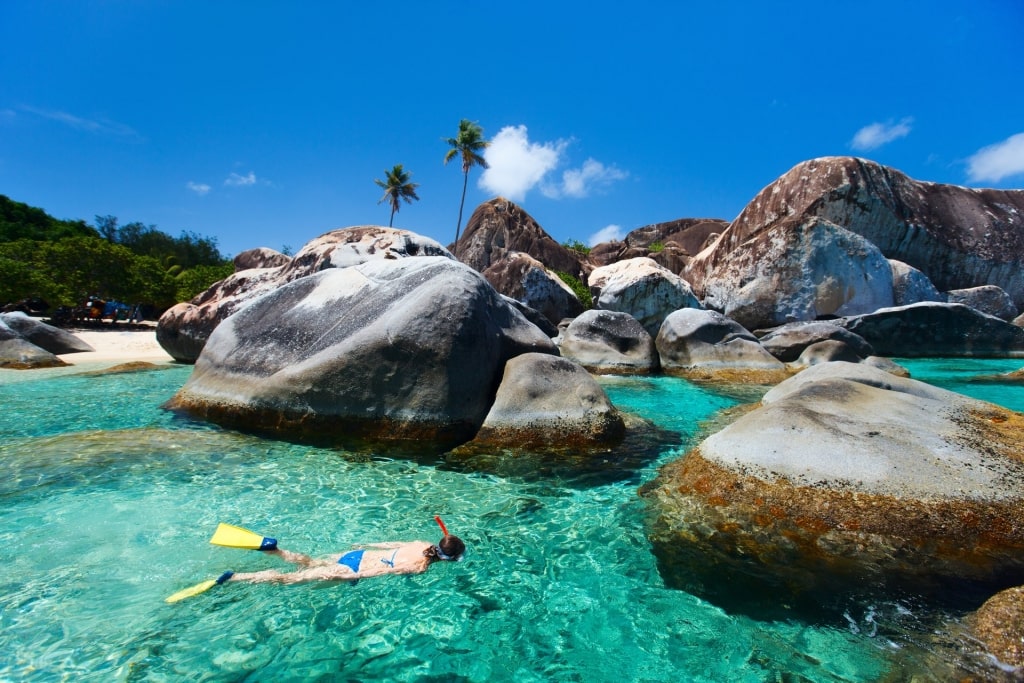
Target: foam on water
{"points": [[108, 503]]}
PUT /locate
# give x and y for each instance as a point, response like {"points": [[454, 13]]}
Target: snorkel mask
{"points": [[440, 553]]}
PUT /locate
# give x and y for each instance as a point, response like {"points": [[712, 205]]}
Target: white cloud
{"points": [[100, 126], [199, 188], [582, 181], [517, 165], [236, 180], [607, 234], [878, 134], [998, 161]]}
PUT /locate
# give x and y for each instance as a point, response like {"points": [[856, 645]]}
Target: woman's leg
{"points": [[317, 573], [294, 558]]}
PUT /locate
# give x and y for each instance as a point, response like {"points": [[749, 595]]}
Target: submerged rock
{"points": [[999, 625], [609, 342], [404, 351], [845, 479]]}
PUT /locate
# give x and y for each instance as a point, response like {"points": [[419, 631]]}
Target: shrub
{"points": [[579, 289]]}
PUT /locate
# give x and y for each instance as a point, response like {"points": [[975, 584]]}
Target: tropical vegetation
{"points": [[63, 262], [468, 145], [397, 186]]}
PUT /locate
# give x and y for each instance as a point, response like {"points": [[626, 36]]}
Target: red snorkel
{"points": [[444, 529]]}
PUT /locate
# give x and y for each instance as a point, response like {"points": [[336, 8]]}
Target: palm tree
{"points": [[396, 188], [467, 144]]}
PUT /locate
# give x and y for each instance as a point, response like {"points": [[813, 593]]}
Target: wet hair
{"points": [[450, 546]]}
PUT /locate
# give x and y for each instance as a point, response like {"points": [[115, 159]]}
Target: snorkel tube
{"points": [[444, 529]]}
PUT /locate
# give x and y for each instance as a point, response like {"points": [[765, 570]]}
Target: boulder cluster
{"points": [[847, 475], [27, 342]]}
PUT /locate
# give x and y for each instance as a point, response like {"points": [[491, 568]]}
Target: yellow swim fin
{"points": [[198, 588], [237, 537]]}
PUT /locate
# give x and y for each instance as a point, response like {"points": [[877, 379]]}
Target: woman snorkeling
{"points": [[412, 557]]}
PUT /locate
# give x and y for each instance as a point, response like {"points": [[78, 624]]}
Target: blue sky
{"points": [[265, 124]]}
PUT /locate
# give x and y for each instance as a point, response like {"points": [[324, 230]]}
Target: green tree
{"points": [[397, 186], [467, 145]]}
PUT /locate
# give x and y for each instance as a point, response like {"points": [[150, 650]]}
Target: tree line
{"points": [[61, 263]]}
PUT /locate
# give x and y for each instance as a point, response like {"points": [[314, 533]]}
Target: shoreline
{"points": [[112, 344]]}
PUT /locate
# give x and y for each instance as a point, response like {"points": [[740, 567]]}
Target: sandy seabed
{"points": [[112, 344]]}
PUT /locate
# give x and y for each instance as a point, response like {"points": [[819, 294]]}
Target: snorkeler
{"points": [[413, 557]]}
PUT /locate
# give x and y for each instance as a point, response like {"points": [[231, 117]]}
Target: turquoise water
{"points": [[108, 503]]}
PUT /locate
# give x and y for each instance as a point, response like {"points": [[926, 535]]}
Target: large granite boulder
{"points": [[549, 403], [401, 351], [987, 299], [524, 278], [609, 342], [498, 227], [999, 625], [642, 288], [936, 329], [789, 341], [958, 237], [183, 329], [47, 337], [795, 270], [700, 344], [911, 286], [846, 479]]}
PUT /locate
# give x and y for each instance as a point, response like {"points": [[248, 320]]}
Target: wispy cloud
{"points": [[998, 161], [236, 180], [878, 134], [580, 182], [199, 188], [517, 165], [606, 234], [99, 126]]}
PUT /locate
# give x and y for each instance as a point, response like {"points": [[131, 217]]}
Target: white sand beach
{"points": [[112, 344]]}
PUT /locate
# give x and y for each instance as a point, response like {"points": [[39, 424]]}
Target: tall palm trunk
{"points": [[458, 226]]}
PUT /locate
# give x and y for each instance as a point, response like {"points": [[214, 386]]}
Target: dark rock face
{"points": [[935, 329], [498, 227], [524, 278], [846, 478], [182, 331], [670, 244], [988, 299], [958, 237], [789, 341], [260, 257], [405, 351], [609, 342]]}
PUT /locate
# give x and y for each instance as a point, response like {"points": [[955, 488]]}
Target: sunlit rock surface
{"points": [[957, 236], [999, 625], [846, 479], [182, 331], [406, 351], [642, 288]]}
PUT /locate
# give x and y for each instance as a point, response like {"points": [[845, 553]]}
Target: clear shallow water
{"points": [[107, 503]]}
